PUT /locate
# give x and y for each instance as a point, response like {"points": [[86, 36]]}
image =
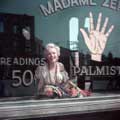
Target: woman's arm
{"points": [[62, 73], [39, 79]]}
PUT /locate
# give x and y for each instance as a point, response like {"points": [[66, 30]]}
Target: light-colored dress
{"points": [[44, 77]]}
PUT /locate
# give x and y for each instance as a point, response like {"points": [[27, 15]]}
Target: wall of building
{"points": [[55, 27]]}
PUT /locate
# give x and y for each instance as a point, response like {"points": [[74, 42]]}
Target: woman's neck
{"points": [[52, 66]]}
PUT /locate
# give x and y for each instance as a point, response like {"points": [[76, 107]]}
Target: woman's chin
{"points": [[53, 61]]}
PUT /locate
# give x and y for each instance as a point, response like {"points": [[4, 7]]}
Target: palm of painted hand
{"points": [[97, 42], [96, 39]]}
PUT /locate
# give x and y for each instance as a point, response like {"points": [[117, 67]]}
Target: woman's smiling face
{"points": [[52, 55]]}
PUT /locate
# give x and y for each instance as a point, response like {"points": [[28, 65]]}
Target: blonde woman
{"points": [[52, 77]]}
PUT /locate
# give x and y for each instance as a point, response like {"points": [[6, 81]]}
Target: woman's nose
{"points": [[52, 55]]}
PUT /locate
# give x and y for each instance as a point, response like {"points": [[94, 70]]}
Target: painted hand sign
{"points": [[97, 38]]}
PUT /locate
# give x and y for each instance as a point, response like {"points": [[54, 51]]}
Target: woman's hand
{"points": [[85, 93], [96, 39], [48, 91], [72, 92]]}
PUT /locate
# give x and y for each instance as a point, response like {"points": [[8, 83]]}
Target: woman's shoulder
{"points": [[61, 66], [41, 67]]}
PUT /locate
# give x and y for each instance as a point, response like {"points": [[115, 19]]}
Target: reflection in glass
{"points": [[73, 33]]}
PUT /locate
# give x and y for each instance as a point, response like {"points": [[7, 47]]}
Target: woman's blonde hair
{"points": [[51, 45]]}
